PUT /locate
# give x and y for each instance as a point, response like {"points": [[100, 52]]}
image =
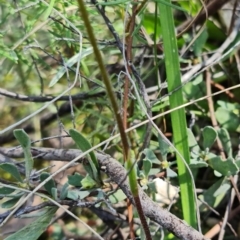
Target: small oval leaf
{"points": [[209, 137], [50, 184], [12, 169]]}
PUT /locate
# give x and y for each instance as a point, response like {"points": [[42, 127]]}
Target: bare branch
{"points": [[117, 174], [79, 96]]}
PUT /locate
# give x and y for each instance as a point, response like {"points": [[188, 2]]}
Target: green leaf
{"points": [[226, 141], [64, 191], [50, 184], [196, 163], [16, 194], [227, 119], [226, 168], [170, 173], [117, 197], [12, 169], [154, 171], [48, 11], [54, 193], [34, 229], [149, 23], [214, 195], [193, 145], [75, 180], [192, 141], [228, 106], [9, 204], [147, 165], [84, 145], [163, 147], [209, 137], [88, 182], [200, 42], [77, 195], [22, 137], [5, 190], [8, 53], [178, 117], [25, 142], [149, 154]]}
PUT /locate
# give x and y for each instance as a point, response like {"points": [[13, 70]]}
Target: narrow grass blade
{"points": [[178, 117]]}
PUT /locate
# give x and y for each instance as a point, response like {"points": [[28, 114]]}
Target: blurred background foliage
{"points": [[37, 42]]}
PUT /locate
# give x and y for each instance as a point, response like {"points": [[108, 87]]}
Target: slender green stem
{"points": [[110, 92], [105, 76], [178, 117]]}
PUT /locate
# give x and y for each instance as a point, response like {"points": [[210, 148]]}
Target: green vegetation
{"points": [[151, 86]]}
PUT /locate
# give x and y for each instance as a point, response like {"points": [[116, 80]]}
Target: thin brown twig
{"points": [[129, 40], [220, 146], [129, 57], [218, 214]]}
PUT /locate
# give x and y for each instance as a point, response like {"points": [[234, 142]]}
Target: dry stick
{"points": [[212, 232], [221, 87], [165, 139], [128, 66], [233, 17], [227, 211], [148, 132], [218, 214], [25, 98], [117, 174], [109, 25], [212, 112], [151, 209], [42, 205], [129, 39]]}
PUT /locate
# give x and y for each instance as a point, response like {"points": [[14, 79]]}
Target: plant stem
{"points": [[124, 139]]}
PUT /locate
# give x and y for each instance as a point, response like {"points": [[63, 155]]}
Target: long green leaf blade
{"points": [[177, 117], [33, 230]]}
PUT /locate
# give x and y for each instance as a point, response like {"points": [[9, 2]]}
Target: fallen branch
{"points": [[117, 174]]}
